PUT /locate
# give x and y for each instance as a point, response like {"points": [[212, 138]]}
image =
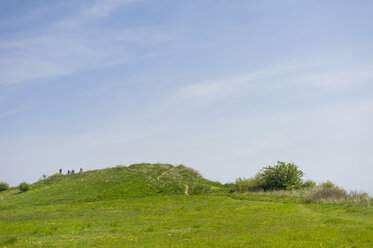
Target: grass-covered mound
{"points": [[120, 182]]}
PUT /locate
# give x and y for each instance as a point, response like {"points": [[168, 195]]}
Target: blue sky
{"points": [[225, 87]]}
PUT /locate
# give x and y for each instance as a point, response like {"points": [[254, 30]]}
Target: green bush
{"points": [[240, 185], [24, 187], [280, 176], [4, 186], [243, 185], [308, 184], [327, 185]]}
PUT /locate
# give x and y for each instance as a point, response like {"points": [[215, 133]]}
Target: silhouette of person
{"points": [[72, 172], [60, 171], [68, 172]]}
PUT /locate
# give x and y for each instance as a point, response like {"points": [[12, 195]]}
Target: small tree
{"points": [[281, 176], [23, 187], [4, 186]]}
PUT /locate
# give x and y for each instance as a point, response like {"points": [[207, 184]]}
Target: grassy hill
{"points": [[137, 180], [145, 205]]}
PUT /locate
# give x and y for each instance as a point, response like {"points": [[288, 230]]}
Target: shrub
{"points": [[243, 185], [309, 184], [4, 186], [327, 194], [240, 185], [280, 176], [327, 185], [24, 187], [359, 197]]}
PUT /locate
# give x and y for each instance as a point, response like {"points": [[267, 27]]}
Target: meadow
{"points": [[133, 207]]}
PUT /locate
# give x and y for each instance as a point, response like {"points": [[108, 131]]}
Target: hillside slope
{"points": [[112, 183]]}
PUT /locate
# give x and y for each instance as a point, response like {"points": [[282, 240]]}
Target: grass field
{"points": [[133, 207]]}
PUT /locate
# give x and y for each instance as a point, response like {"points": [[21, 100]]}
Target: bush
{"points": [[309, 184], [327, 185], [355, 196], [4, 186], [243, 185], [24, 187], [327, 194], [280, 176]]}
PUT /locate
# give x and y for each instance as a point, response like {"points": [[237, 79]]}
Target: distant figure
{"points": [[60, 171], [72, 172], [81, 170], [68, 172]]}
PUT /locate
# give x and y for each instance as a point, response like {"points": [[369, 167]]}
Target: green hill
{"points": [[120, 182], [145, 205]]}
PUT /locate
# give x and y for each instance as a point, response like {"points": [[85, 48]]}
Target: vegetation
{"points": [[280, 176], [3, 186], [308, 184], [314, 195], [277, 177], [145, 205], [243, 185], [23, 187], [284, 180], [327, 185]]}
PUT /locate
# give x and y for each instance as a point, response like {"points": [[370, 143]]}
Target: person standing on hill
{"points": [[60, 171], [68, 172], [72, 171]]}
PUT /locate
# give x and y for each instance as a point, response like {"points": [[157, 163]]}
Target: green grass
{"points": [[130, 207]]}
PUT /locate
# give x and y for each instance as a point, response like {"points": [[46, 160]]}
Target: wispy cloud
{"points": [[336, 78], [311, 75], [12, 112], [103, 8], [64, 50], [99, 9], [211, 90]]}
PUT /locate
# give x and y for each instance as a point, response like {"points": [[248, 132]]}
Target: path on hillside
{"points": [[334, 215], [307, 210], [161, 175], [164, 173], [186, 189]]}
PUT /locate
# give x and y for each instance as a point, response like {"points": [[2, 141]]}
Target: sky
{"points": [[224, 87]]}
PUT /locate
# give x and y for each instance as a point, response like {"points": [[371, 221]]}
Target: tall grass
{"points": [[316, 194], [336, 194], [243, 185]]}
